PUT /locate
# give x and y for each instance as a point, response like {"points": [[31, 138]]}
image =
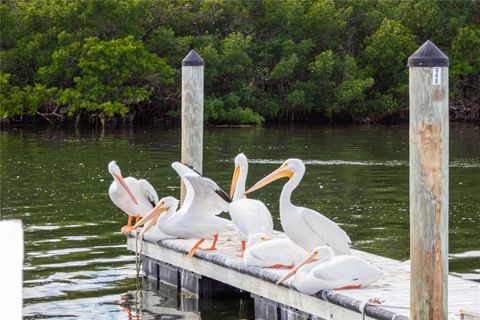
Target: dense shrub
{"points": [[264, 60]]}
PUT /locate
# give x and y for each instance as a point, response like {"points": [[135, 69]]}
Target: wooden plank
{"points": [[429, 183]]}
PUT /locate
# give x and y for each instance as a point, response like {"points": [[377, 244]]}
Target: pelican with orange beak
{"points": [[157, 219], [323, 270], [133, 196], [197, 217], [249, 216], [305, 227]]}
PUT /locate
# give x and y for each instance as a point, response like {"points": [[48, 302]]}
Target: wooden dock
{"points": [[221, 271]]}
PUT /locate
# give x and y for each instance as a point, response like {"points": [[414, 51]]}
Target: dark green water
{"points": [[76, 264]]}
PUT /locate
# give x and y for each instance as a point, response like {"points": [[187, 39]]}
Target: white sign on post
{"points": [[436, 76]]}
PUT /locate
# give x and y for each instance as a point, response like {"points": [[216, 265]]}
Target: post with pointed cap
{"points": [[192, 113], [428, 85]]}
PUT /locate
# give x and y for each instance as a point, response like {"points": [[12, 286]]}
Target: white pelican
{"points": [[197, 217], [162, 213], [134, 197], [249, 216], [332, 272], [305, 227], [272, 253]]}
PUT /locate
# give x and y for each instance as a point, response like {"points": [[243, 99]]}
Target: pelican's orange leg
{"points": [[358, 286], [137, 218], [280, 266], [244, 246], [213, 246], [128, 227], [195, 248]]}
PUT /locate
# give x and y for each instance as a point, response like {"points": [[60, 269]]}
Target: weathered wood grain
{"points": [[429, 136], [192, 118]]}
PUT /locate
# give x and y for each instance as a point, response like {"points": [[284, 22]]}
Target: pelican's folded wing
{"points": [[150, 191], [329, 231]]}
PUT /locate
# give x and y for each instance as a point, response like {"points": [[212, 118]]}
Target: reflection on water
{"points": [[148, 301], [76, 264]]}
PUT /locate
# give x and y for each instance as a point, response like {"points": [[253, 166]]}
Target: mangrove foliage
{"points": [[93, 61]]}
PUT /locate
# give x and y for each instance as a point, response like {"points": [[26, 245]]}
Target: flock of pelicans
{"points": [[316, 249]]}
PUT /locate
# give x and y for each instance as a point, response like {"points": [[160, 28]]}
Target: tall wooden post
{"points": [[192, 113], [428, 68]]}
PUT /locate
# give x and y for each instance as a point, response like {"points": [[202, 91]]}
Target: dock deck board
{"points": [[393, 289]]}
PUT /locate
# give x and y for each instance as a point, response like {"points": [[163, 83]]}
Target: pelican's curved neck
{"points": [[285, 196], [242, 180], [168, 214]]}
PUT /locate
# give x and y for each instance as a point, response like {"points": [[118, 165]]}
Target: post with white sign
{"points": [[192, 113], [428, 69]]}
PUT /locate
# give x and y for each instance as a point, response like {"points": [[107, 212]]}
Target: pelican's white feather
{"points": [[273, 252], [249, 216], [149, 191]]}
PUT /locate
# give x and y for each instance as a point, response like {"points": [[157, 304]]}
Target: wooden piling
{"points": [[192, 113], [428, 69]]}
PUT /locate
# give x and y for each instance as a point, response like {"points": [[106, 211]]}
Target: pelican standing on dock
{"points": [[323, 270], [159, 216], [264, 252], [133, 196], [305, 227], [249, 216], [197, 217], [170, 206]]}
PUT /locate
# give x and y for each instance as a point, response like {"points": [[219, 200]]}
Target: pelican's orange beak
{"points": [[233, 186], [277, 174], [125, 186], [309, 259], [153, 214]]}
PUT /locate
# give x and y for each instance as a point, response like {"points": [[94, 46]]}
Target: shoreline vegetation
{"points": [[117, 63]]}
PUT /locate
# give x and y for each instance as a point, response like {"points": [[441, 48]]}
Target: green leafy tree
{"points": [[465, 73], [12, 98], [228, 75], [115, 75], [265, 60], [386, 55], [341, 85]]}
